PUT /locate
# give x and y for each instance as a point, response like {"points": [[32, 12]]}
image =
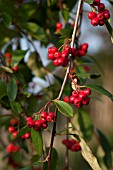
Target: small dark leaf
{"points": [[16, 107], [65, 14], [64, 108], [23, 131], [37, 141], [101, 90], [7, 20], [107, 149], [86, 124], [89, 1], [12, 89], [110, 29], [3, 88]]}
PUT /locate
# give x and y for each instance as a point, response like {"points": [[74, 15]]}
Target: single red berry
{"points": [[7, 55], [23, 136], [49, 118], [38, 123], [71, 99], [96, 2], [29, 118], [101, 7], [60, 61], [72, 141], [81, 53], [14, 134], [30, 123], [81, 94], [64, 54], [85, 100], [86, 68], [11, 129], [43, 115], [58, 25], [94, 21], [55, 62], [10, 148], [36, 128], [67, 49], [66, 99], [51, 56], [54, 49], [84, 46], [14, 121], [75, 93], [16, 148], [43, 120], [52, 115], [27, 135], [100, 16], [15, 68], [74, 52], [102, 22], [92, 15], [106, 14], [65, 63], [57, 54], [44, 125], [87, 91], [9, 60], [64, 141], [78, 102]]}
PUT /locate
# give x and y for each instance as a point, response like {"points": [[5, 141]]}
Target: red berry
{"points": [[43, 115], [92, 15], [15, 68], [30, 123], [14, 134], [81, 53], [87, 91], [43, 120], [74, 52], [38, 123], [54, 49], [58, 25], [96, 2], [106, 14], [64, 141], [49, 118], [60, 61], [52, 115], [66, 99], [78, 102], [72, 98], [36, 128], [86, 68], [55, 62], [75, 93], [10, 148], [101, 7], [85, 100], [100, 16], [84, 46], [81, 95], [57, 54], [51, 56], [94, 21], [7, 55], [29, 118], [67, 49], [101, 23], [50, 49], [27, 135], [44, 125], [64, 55], [13, 121], [11, 129]]}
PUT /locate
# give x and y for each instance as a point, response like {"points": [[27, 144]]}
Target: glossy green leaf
{"points": [[88, 155], [101, 90], [17, 56], [88, 75], [7, 20], [12, 89], [3, 88], [107, 149], [89, 1], [23, 130], [37, 141], [54, 160], [86, 124], [16, 107], [64, 108], [110, 29], [65, 14]]}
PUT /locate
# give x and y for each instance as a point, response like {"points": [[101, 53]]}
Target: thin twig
{"points": [[2, 59]]}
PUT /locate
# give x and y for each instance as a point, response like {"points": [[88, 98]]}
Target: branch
{"points": [[2, 59]]}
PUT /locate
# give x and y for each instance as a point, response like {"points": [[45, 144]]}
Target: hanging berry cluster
{"points": [[100, 15], [41, 123], [79, 98], [72, 144], [61, 58]]}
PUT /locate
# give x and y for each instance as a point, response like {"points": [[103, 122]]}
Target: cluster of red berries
{"points": [[61, 58], [41, 123], [79, 98], [8, 58], [12, 148], [58, 26], [101, 16], [72, 144]]}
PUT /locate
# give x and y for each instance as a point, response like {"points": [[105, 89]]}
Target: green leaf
{"points": [[23, 130], [107, 149], [64, 108], [88, 155], [89, 1], [101, 90], [35, 158], [12, 89], [65, 14], [16, 107], [17, 56], [110, 29], [86, 124], [37, 141], [26, 168], [88, 75], [54, 160], [6, 69], [3, 88], [7, 20]]}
